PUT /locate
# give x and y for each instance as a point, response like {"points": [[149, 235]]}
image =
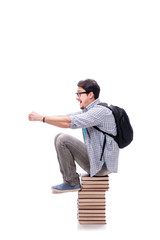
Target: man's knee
{"points": [[60, 138]]}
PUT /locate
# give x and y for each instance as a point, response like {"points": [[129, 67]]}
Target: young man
{"points": [[87, 154]]}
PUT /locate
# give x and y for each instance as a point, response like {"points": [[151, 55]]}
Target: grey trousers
{"points": [[70, 150]]}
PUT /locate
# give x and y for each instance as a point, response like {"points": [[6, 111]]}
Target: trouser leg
{"points": [[69, 150], [102, 172]]}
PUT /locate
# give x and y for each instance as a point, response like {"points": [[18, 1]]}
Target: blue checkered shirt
{"points": [[102, 117]]}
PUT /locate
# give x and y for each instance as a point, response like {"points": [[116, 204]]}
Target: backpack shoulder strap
{"points": [[106, 105]]}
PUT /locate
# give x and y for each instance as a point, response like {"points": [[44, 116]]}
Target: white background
{"points": [[46, 47]]}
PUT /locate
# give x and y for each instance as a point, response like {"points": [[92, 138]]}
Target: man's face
{"points": [[84, 98]]}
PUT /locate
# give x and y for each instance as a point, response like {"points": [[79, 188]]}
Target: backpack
{"points": [[124, 129]]}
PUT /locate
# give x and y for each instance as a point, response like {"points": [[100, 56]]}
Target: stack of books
{"points": [[91, 200]]}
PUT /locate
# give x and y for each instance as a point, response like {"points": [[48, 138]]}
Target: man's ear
{"points": [[91, 95]]}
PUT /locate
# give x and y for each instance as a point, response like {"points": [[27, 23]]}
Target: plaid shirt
{"points": [[102, 117]]}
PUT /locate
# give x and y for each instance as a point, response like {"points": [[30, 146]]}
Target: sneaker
{"points": [[64, 187]]}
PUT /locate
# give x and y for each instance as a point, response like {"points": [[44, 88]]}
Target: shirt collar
{"points": [[91, 105]]}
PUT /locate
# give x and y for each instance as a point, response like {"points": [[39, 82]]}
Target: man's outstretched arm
{"points": [[61, 121]]}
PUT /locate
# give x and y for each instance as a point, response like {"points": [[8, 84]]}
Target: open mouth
{"points": [[80, 103]]}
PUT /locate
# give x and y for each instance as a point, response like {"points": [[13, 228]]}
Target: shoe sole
{"points": [[64, 191]]}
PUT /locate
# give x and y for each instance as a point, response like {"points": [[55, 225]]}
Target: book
{"points": [[99, 187], [89, 207], [92, 218], [90, 192], [91, 210], [89, 200], [91, 215], [95, 182], [91, 203], [90, 196], [88, 178], [92, 222]]}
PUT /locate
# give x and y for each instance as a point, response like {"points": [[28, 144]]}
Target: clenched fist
{"points": [[33, 116]]}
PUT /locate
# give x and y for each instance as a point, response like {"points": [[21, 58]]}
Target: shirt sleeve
{"points": [[73, 114], [93, 117]]}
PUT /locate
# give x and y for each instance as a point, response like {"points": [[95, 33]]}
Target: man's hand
{"points": [[33, 116]]}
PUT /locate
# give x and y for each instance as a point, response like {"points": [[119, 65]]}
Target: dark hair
{"points": [[90, 85]]}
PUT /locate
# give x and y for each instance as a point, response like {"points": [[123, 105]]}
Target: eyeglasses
{"points": [[78, 94]]}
